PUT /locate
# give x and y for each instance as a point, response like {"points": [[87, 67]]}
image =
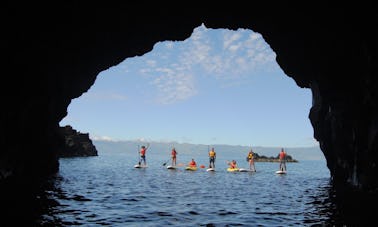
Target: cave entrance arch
{"points": [[314, 45], [221, 74]]}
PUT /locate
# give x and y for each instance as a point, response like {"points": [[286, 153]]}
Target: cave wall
{"points": [[53, 53]]}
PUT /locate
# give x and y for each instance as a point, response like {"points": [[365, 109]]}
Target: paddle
{"points": [[148, 145], [139, 160], [165, 163], [208, 150]]}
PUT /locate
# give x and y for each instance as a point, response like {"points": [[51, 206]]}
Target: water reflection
{"points": [[92, 203], [340, 208], [321, 203]]}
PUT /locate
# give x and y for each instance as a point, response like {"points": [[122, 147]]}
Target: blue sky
{"points": [[217, 87]]}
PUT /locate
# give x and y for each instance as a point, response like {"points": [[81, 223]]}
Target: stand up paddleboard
{"points": [[281, 172], [171, 167], [140, 166], [246, 170], [210, 169]]}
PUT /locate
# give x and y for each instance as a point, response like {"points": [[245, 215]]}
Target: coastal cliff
{"points": [[76, 144]]}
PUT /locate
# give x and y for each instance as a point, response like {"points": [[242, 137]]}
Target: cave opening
{"points": [[322, 47], [217, 87]]}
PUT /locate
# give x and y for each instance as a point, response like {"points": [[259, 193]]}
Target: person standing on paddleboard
{"points": [[282, 157], [212, 156], [173, 156], [142, 152], [251, 161]]}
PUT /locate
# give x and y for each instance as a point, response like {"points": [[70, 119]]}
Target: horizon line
{"points": [[175, 142]]}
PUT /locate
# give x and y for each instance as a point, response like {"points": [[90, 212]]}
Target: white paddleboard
{"points": [[281, 172], [171, 167], [245, 170], [210, 169], [140, 166]]}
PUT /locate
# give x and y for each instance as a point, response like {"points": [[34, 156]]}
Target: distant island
{"points": [[263, 158]]}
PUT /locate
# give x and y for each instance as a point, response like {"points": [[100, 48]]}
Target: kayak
{"points": [[232, 169], [191, 168]]}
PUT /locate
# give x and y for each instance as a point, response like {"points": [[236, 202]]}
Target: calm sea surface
{"points": [[108, 190]]}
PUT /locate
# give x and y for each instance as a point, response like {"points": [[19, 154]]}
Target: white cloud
{"points": [[235, 56], [151, 63], [243, 53], [167, 141], [234, 48], [145, 71], [142, 139], [229, 38], [197, 50], [102, 138], [169, 45], [173, 86], [104, 96]]}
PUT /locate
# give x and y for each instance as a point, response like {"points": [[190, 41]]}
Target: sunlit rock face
{"points": [[52, 55]]}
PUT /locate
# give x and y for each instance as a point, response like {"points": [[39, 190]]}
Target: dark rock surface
{"points": [[263, 158], [76, 144], [52, 54]]}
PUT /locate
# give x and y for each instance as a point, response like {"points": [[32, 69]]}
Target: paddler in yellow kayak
{"points": [[192, 163], [233, 166]]}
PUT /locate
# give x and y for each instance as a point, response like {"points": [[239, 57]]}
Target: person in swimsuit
{"points": [[173, 156]]}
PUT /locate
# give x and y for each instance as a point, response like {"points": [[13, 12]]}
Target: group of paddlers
{"points": [[212, 156]]}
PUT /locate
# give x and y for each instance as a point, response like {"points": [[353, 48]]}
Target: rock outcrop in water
{"points": [[76, 144], [264, 158], [53, 54]]}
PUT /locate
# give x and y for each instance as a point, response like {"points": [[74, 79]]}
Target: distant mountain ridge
{"points": [[297, 153]]}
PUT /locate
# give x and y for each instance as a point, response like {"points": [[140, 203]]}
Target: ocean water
{"points": [[108, 191]]}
